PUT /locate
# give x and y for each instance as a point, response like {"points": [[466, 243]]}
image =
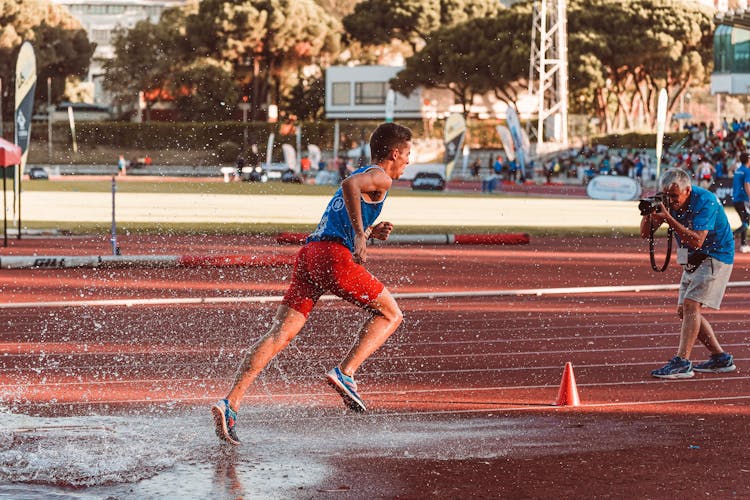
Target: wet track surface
{"points": [[111, 400]]}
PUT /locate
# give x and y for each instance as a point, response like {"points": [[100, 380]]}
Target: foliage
{"points": [[253, 48], [633, 140], [378, 22], [472, 58], [338, 8], [622, 51], [263, 40], [204, 91], [61, 46], [144, 59], [153, 136], [306, 100]]}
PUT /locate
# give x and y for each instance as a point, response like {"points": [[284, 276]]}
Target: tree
{"points": [[145, 57], [265, 41], [61, 46], [622, 52], [306, 99], [338, 8], [204, 91], [378, 22], [472, 58]]}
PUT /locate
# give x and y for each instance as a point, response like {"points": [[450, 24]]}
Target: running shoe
{"points": [[225, 419], [745, 249], [718, 363], [676, 367], [347, 387]]}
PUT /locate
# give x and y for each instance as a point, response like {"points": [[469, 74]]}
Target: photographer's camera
{"points": [[650, 205]]}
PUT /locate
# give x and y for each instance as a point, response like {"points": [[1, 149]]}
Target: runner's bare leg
{"points": [[286, 325], [374, 332]]}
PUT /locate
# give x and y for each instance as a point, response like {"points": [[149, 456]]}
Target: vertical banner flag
{"points": [[514, 125], [661, 120], [25, 85], [507, 140], [72, 122], [455, 130], [298, 140], [313, 152], [269, 151], [390, 105]]}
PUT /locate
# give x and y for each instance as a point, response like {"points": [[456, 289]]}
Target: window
{"points": [[340, 91], [370, 93], [101, 37]]}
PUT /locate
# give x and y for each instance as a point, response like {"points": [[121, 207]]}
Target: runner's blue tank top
{"points": [[335, 224]]}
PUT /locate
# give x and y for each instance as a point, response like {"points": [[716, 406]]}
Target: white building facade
{"points": [[359, 93]]}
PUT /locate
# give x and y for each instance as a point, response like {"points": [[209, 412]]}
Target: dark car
{"points": [[428, 181], [38, 173]]}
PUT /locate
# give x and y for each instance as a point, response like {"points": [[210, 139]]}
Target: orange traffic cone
{"points": [[568, 394]]}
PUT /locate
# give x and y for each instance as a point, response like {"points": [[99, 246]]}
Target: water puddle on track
{"points": [[287, 452]]}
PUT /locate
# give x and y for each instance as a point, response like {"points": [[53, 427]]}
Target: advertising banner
{"points": [[25, 86], [514, 125], [313, 152], [290, 157], [269, 151], [507, 140], [455, 130], [613, 187]]}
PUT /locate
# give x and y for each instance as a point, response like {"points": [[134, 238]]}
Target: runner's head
{"points": [[386, 138]]}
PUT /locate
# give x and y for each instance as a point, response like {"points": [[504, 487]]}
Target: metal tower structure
{"points": [[548, 72]]}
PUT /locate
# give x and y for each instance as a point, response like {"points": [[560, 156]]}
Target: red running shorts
{"points": [[329, 267]]}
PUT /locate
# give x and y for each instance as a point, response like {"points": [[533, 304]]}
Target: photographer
{"points": [[706, 252]]}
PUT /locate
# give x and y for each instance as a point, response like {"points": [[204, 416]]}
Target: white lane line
{"points": [[409, 295], [497, 406], [388, 357], [191, 381]]}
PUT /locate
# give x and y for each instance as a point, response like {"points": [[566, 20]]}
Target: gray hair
{"points": [[675, 176]]}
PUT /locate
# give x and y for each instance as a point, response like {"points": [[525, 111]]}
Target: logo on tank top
{"points": [[337, 205]]}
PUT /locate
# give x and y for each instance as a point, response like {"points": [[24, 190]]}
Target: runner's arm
{"points": [[374, 180]]}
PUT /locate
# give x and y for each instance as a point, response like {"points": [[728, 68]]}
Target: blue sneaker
{"points": [[718, 363], [347, 387], [677, 367], [225, 419]]}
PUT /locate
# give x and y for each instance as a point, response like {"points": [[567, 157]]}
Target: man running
{"points": [[331, 262]]}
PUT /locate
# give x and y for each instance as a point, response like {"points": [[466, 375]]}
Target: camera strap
{"points": [[663, 268]]}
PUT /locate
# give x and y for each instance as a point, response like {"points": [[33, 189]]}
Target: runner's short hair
{"points": [[744, 157], [386, 138]]}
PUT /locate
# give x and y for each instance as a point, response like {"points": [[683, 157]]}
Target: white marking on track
{"points": [[408, 295]]}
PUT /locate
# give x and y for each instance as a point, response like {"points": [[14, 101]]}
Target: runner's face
{"points": [[402, 158]]}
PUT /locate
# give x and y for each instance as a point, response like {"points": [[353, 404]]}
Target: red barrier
{"points": [[458, 239], [492, 239]]}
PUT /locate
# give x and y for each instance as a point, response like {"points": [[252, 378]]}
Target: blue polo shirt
{"points": [[741, 176], [705, 212]]}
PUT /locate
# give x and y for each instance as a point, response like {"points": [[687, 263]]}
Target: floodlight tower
{"points": [[548, 69]]}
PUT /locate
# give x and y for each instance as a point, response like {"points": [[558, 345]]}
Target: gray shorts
{"points": [[706, 284]]}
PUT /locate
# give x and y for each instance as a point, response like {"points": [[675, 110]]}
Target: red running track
{"points": [[481, 358]]}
